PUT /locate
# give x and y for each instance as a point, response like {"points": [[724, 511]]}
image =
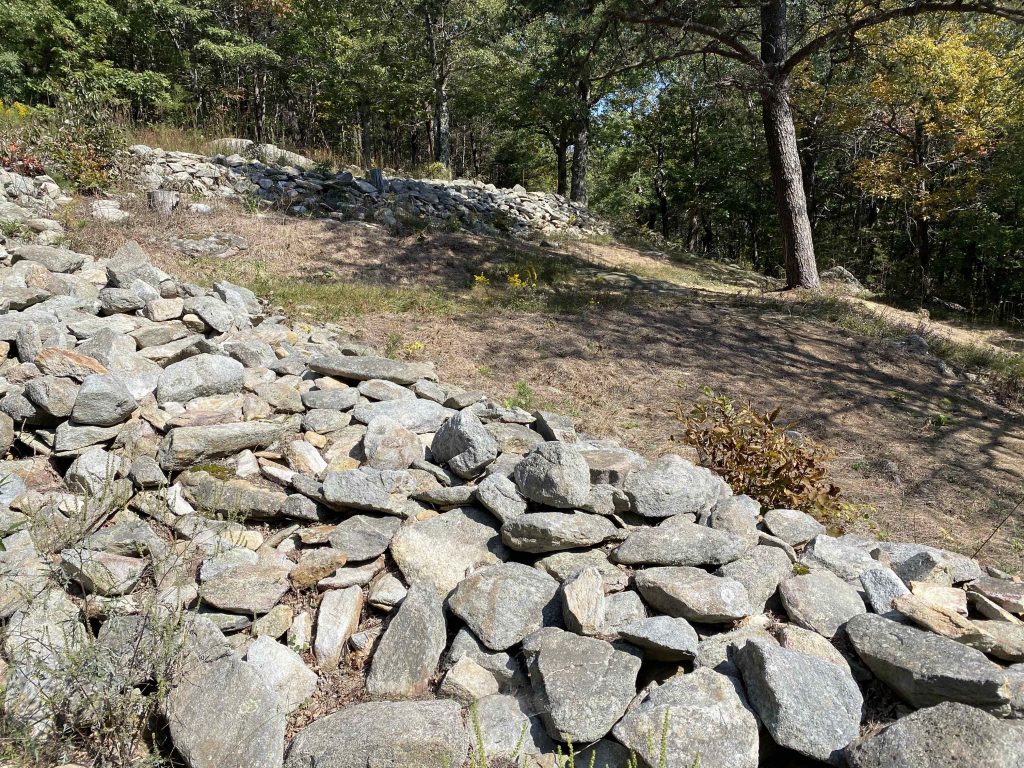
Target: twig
{"points": [[996, 529]]}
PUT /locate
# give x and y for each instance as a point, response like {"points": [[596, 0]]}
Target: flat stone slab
{"points": [[681, 543], [504, 603], [709, 723], [384, 734], [926, 669], [359, 368], [820, 601], [582, 685], [694, 594], [541, 532]]}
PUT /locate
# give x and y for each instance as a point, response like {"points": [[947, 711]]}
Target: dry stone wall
{"points": [[293, 183], [205, 499]]}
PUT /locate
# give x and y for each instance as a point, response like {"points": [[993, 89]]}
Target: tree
{"points": [[771, 43]]}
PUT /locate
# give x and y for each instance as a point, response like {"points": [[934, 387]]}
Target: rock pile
{"points": [[203, 499], [29, 202], [291, 182]]}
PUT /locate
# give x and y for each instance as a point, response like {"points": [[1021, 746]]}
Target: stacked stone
{"points": [[290, 181], [29, 202], [276, 503]]}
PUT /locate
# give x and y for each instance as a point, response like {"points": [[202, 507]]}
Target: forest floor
{"points": [[621, 338]]}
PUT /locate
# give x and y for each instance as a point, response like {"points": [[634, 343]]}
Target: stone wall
{"points": [[291, 182], [267, 524]]}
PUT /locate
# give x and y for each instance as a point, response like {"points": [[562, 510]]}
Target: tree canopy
{"points": [[885, 136]]}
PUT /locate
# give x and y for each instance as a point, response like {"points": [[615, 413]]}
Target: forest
{"points": [[883, 136]]}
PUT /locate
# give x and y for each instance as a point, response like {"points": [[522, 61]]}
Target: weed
{"points": [[13, 229], [757, 457], [522, 397], [392, 344], [799, 569]]}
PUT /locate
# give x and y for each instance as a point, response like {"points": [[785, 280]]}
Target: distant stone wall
{"points": [[291, 182]]}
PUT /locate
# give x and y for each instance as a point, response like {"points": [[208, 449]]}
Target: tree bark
{"points": [[783, 153], [439, 73], [365, 134], [581, 145]]}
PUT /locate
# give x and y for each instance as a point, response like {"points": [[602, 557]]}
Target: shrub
{"points": [[758, 457]]}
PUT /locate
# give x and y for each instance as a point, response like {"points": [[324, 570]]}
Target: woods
{"points": [[881, 136]]}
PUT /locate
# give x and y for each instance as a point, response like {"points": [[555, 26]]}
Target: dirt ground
{"points": [[923, 455]]}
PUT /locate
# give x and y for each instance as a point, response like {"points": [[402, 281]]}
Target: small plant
{"points": [[522, 397], [481, 279], [392, 344], [757, 457], [412, 349]]}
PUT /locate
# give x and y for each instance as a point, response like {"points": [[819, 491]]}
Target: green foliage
{"points": [[757, 457], [522, 397]]}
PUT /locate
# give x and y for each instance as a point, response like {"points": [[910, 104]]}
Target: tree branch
{"points": [[904, 12], [731, 46]]}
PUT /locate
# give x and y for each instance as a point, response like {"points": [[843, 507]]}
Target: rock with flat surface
{"points": [[419, 416], [709, 724], [925, 669], [693, 594], [389, 445], [792, 526], [222, 715], [540, 532], [583, 602], [841, 558], [247, 589], [672, 486], [761, 571], [882, 586], [199, 376], [554, 474], [948, 735], [102, 573], [184, 447], [384, 734], [499, 496], [808, 705], [820, 601], [410, 649], [681, 543], [442, 550], [662, 638], [582, 685], [504, 603], [364, 537], [368, 489], [282, 670], [336, 619], [358, 368], [1007, 594]]}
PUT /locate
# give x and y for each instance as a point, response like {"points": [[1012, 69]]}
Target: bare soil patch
{"points": [[923, 455]]}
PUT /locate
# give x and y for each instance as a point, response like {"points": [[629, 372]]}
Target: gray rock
{"points": [[53, 395], [119, 300], [212, 311], [222, 715], [71, 439], [442, 550], [364, 537], [562, 565], [54, 259], [513, 438], [693, 594], [581, 701], [282, 671], [331, 399], [1009, 595], [894, 554], [808, 705], [820, 601], [199, 376], [505, 668], [103, 401], [232, 497], [504, 603], [389, 445], [540, 532], [682, 543], [410, 649], [555, 426], [583, 602], [419, 416], [662, 638], [792, 526], [718, 652], [184, 447], [811, 643], [499, 496], [609, 463], [358, 368], [554, 474], [464, 445], [844, 560], [247, 589], [622, 608], [882, 586], [336, 619], [511, 730], [926, 669], [672, 486], [760, 571], [702, 718], [368, 489], [145, 472], [102, 573], [384, 734], [948, 735], [324, 421], [380, 389]]}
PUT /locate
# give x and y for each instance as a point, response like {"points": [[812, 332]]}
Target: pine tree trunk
{"points": [[581, 146], [365, 135], [442, 121], [783, 153]]}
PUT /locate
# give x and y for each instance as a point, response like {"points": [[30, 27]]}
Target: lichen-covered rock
{"points": [[555, 474]]}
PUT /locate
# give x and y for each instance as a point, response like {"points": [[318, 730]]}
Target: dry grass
{"points": [[618, 337]]}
